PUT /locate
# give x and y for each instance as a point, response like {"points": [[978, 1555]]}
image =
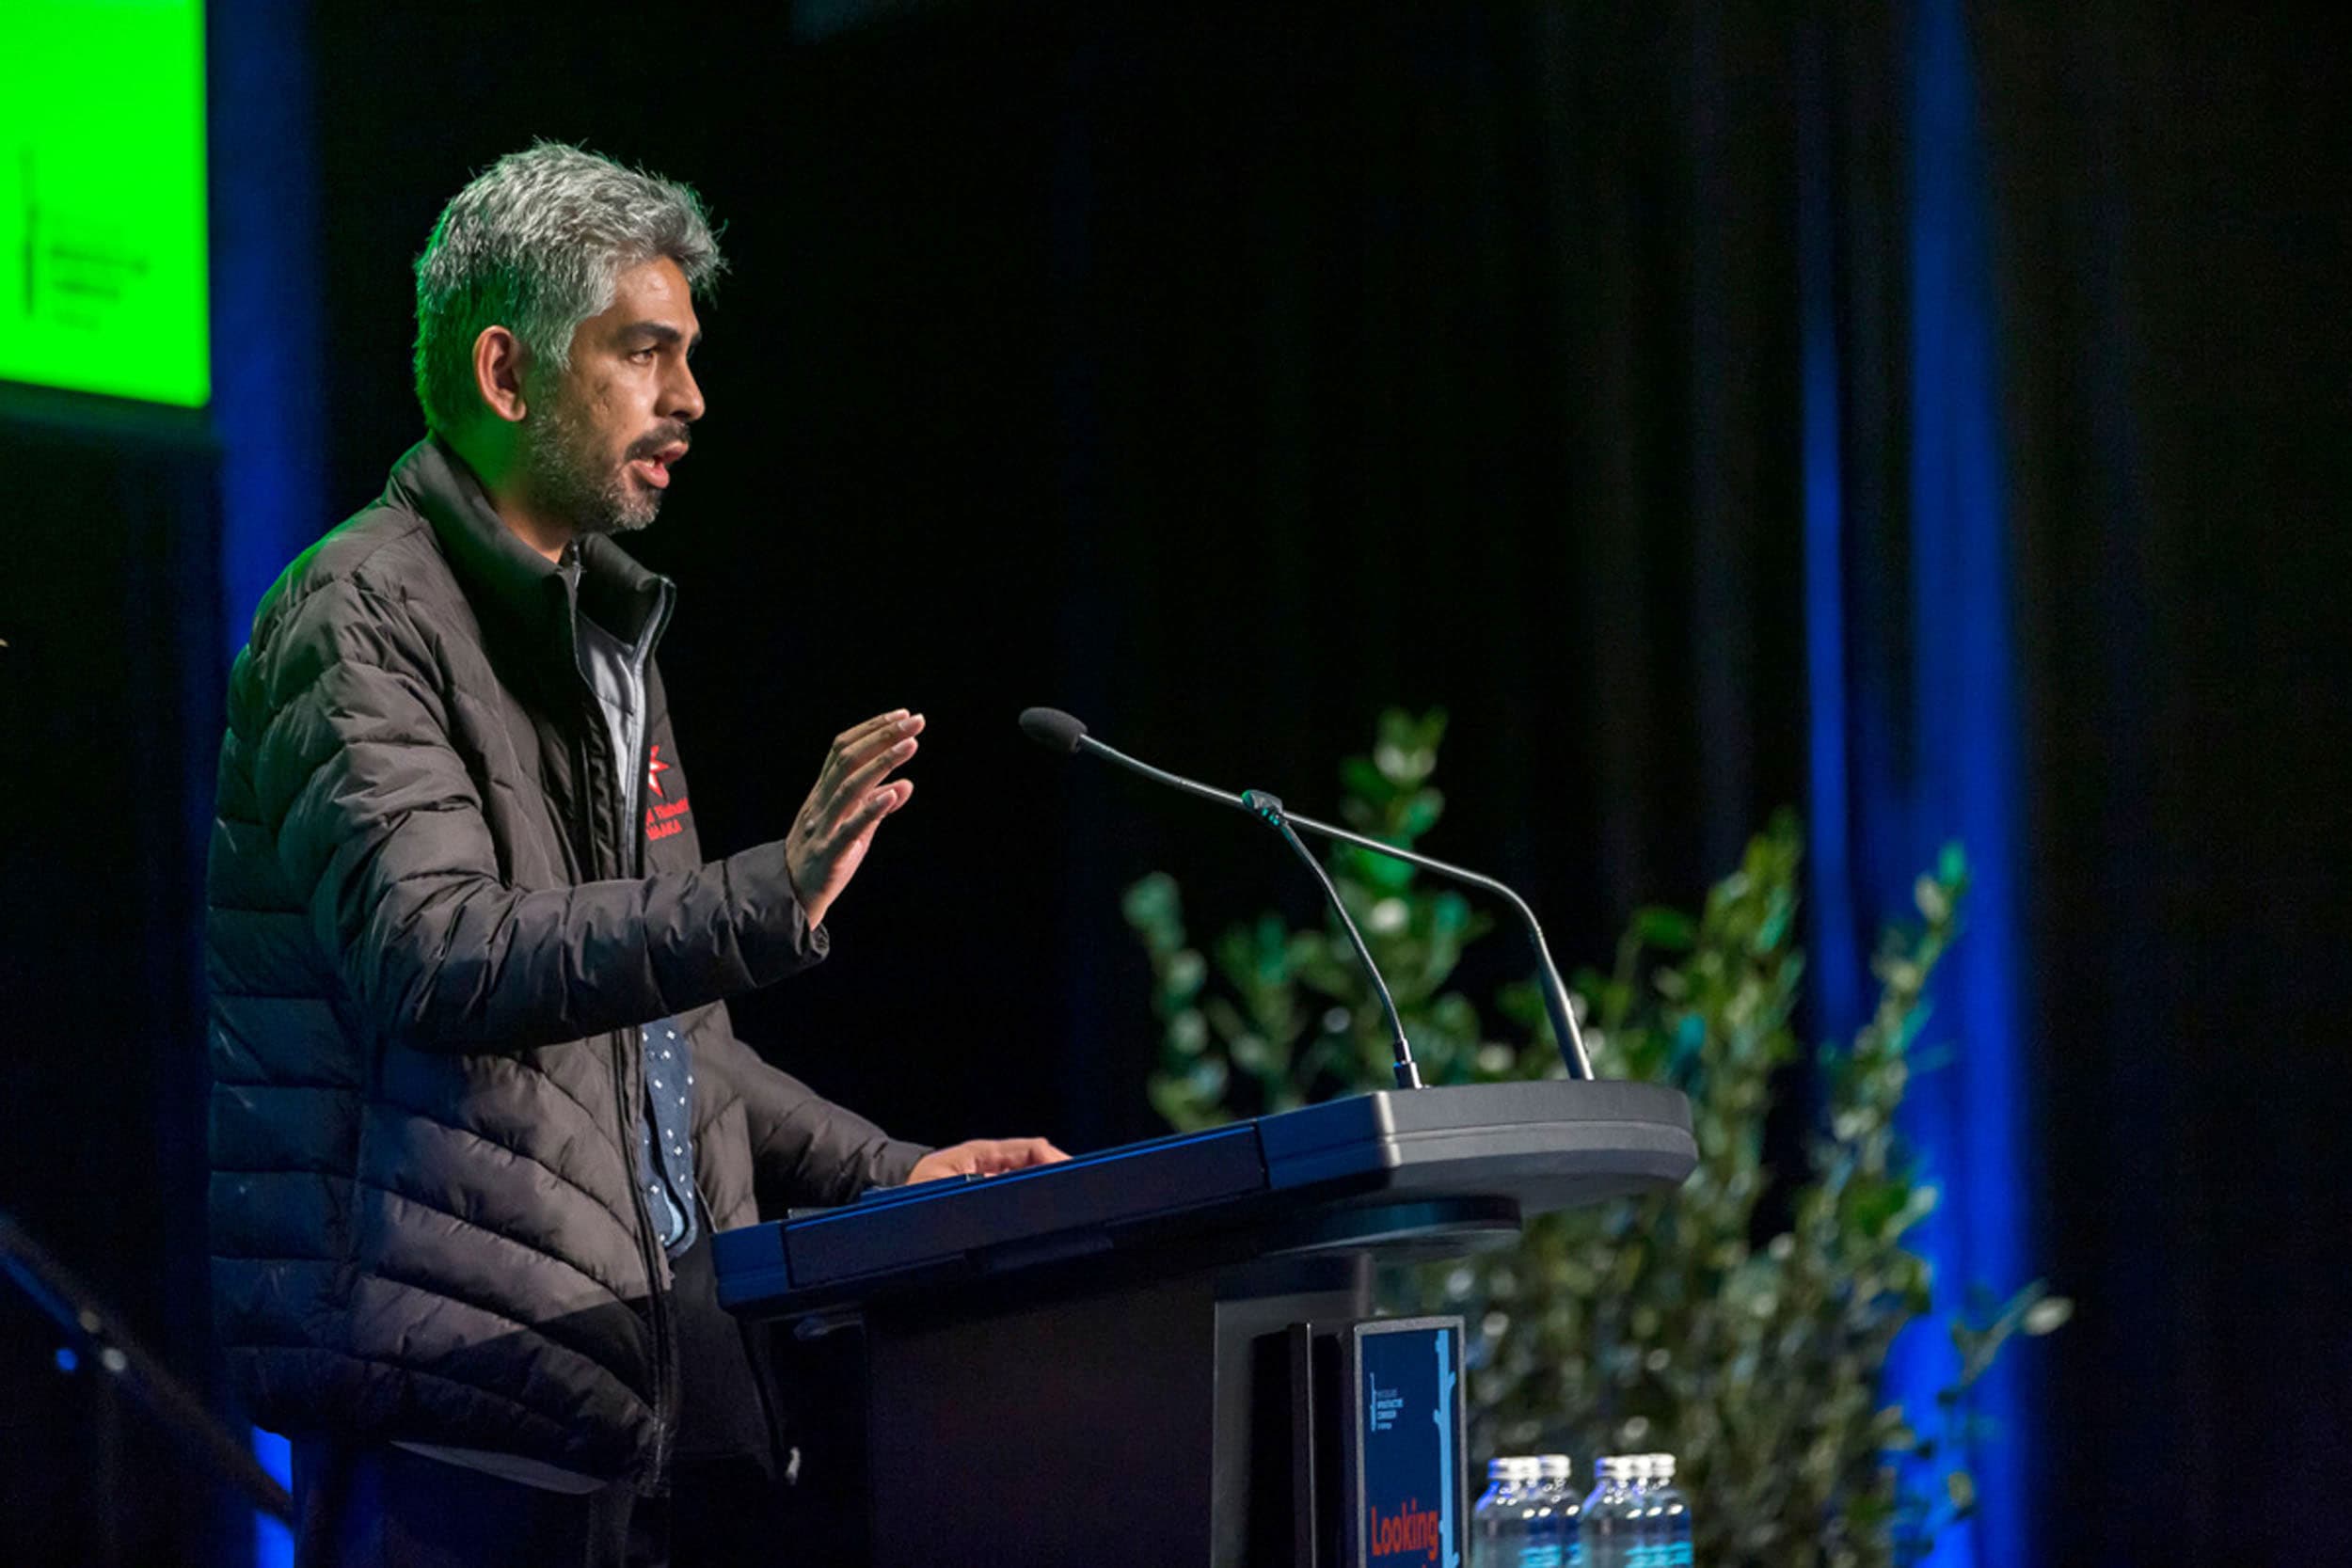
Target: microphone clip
{"points": [[1263, 804]]}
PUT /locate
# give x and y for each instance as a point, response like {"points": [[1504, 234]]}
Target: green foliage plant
{"points": [[1742, 1321]]}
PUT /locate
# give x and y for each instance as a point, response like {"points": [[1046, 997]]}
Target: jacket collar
{"points": [[513, 584]]}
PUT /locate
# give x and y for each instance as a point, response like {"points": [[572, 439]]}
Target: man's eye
{"points": [[644, 354]]}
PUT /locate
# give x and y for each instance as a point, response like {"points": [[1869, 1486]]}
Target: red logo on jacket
{"points": [[662, 820]]}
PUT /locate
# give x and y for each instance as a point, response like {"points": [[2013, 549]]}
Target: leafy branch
{"points": [[1755, 1349]]}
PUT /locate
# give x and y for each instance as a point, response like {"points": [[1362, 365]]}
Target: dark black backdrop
{"points": [[2173, 202], [109, 700], [1225, 376], [1221, 377]]}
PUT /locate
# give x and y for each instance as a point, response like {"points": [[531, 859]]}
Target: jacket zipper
{"points": [[633, 831], [629, 1094], [630, 1088]]}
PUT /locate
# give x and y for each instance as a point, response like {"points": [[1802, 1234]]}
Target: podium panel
{"points": [[1104, 1361]]}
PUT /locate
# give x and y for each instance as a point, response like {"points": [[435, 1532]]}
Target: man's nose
{"points": [[682, 396]]}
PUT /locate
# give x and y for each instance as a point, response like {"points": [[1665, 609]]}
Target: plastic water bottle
{"points": [[1563, 1511], [1503, 1525], [1640, 1506], [1611, 1519], [1541, 1506], [1635, 1469], [1669, 1515]]}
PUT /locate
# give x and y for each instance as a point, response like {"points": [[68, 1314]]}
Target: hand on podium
{"points": [[985, 1157]]}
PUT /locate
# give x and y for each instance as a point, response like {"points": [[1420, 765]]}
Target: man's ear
{"points": [[498, 362]]}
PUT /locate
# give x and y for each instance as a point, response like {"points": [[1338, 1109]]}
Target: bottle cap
{"points": [[1555, 1467], [1661, 1465], [1511, 1467]]}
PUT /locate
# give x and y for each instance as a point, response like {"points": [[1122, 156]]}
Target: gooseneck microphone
{"points": [[1058, 731], [1269, 811]]}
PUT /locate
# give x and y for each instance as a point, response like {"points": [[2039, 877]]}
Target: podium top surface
{"points": [[1533, 1147]]}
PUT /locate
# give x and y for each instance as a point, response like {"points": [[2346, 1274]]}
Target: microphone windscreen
{"points": [[1051, 728]]}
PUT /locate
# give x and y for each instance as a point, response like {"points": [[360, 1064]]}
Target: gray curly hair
{"points": [[534, 243]]}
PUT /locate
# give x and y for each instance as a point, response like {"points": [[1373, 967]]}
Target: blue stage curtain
{"points": [[269, 380], [269, 387], [1914, 726]]}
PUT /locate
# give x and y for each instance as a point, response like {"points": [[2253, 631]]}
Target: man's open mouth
{"points": [[654, 469]]}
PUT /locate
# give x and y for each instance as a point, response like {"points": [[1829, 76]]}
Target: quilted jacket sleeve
{"points": [[374, 812], [805, 1150]]}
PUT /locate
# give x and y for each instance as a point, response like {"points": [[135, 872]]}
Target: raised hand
{"points": [[852, 794]]}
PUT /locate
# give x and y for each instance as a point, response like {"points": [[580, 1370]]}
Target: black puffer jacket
{"points": [[430, 936]]}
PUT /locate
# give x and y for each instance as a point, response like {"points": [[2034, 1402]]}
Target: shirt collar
{"points": [[511, 583]]}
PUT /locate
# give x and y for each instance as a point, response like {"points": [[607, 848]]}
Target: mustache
{"points": [[668, 436]]}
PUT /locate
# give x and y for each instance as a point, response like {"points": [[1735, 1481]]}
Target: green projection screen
{"points": [[102, 198]]}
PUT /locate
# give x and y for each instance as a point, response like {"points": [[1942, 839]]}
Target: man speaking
{"points": [[477, 1106]]}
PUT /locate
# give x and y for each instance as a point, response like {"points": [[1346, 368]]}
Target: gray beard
{"points": [[569, 476]]}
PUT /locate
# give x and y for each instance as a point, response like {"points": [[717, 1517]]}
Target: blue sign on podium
{"points": [[1404, 1431]]}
